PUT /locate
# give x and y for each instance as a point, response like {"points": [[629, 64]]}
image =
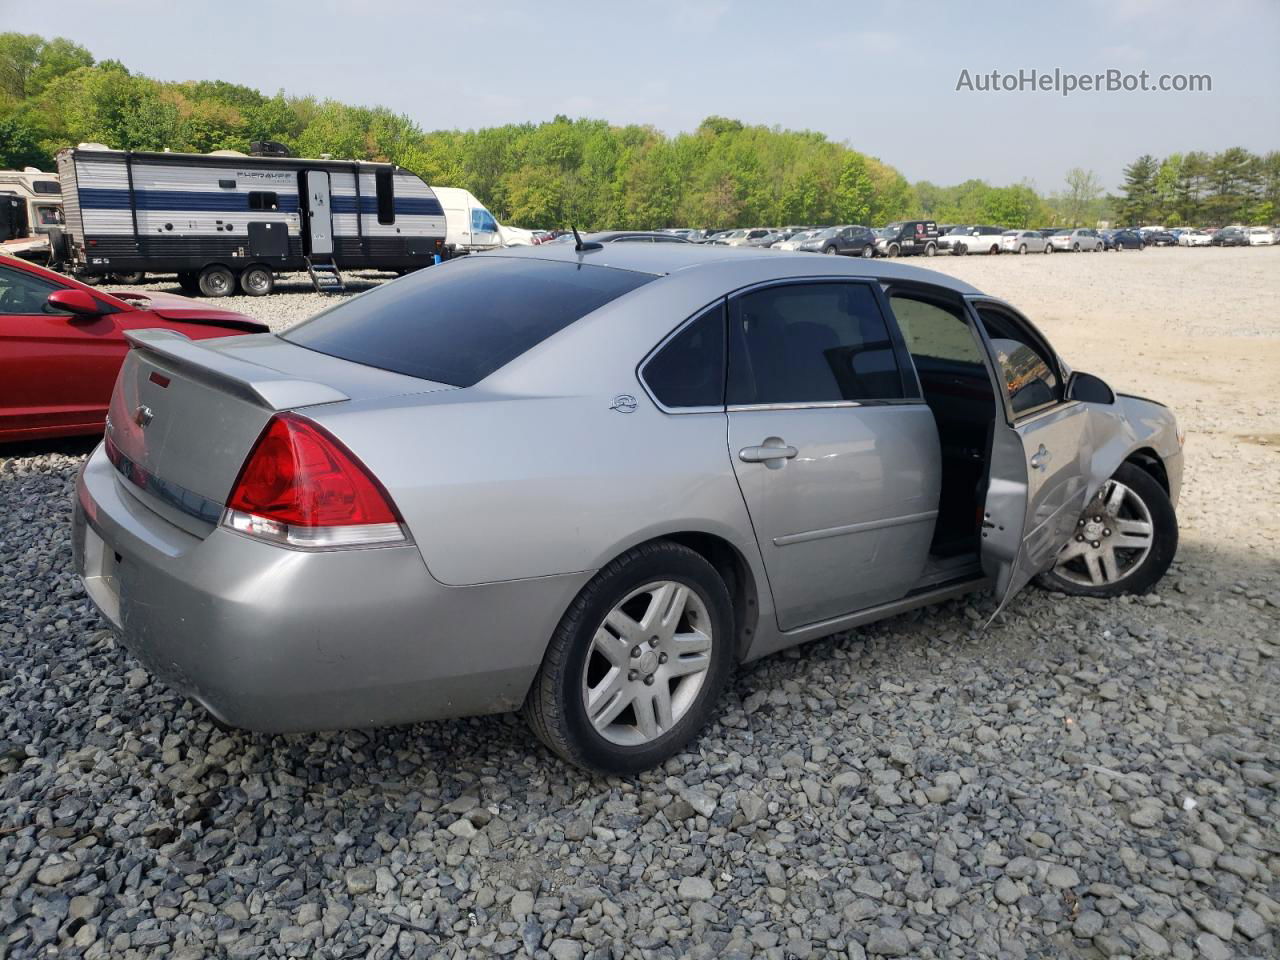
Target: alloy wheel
{"points": [[1113, 537], [647, 662]]}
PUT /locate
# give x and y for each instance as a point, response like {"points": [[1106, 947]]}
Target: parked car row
{"points": [[927, 238]]}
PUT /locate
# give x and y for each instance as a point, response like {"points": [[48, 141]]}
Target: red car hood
{"points": [[171, 306]]}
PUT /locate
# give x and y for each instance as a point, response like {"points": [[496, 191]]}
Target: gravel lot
{"points": [[1084, 779]]}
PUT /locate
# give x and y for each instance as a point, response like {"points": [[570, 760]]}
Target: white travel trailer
{"points": [[30, 207], [471, 227], [228, 220]]}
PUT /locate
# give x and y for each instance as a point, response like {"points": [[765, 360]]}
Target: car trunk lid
{"points": [[185, 414]]}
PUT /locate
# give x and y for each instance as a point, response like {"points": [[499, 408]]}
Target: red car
{"points": [[62, 342]]}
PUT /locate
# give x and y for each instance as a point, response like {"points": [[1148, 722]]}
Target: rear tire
{"points": [[1144, 503], [621, 740], [217, 281], [930, 249], [257, 281], [961, 249], [994, 251], [1075, 248], [137, 276]]}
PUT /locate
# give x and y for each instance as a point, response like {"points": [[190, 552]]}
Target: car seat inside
{"points": [[957, 387]]}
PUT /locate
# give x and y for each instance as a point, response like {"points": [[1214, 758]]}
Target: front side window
{"points": [[689, 369], [50, 216], [1027, 369], [461, 321], [937, 338], [810, 343], [23, 294], [482, 221]]}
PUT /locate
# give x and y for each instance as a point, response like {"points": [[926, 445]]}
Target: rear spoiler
{"points": [[255, 383]]}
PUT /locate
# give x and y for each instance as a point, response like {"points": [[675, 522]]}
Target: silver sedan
{"points": [[589, 483], [1024, 241]]}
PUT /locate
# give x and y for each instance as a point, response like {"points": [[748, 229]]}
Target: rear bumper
{"points": [[281, 640]]}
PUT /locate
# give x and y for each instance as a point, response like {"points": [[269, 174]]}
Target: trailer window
{"points": [[263, 200], [385, 185]]}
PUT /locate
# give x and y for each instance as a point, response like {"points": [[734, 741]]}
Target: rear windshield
{"points": [[459, 322]]}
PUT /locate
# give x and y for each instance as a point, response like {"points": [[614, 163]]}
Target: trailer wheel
{"points": [[135, 276], [257, 281], [217, 281]]}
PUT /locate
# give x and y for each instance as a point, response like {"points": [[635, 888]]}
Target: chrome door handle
{"points": [[771, 449], [1040, 459]]}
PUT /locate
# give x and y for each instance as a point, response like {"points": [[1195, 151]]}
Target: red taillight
{"points": [[301, 486]]}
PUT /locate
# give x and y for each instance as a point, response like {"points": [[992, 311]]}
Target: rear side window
{"points": [[384, 188], [810, 343], [689, 369], [459, 322]]}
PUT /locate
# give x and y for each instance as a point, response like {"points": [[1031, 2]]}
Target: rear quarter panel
{"points": [[505, 488]]}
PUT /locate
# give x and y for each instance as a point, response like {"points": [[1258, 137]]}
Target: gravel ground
{"points": [[1084, 779]]}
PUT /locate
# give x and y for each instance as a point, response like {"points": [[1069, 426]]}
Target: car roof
{"points": [[662, 259]]}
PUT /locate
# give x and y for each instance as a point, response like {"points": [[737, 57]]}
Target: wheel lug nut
{"points": [[1080, 522], [633, 674], [1096, 544], [653, 641], [648, 681], [662, 658], [635, 651], [1106, 533], [1097, 519], [1079, 536]]}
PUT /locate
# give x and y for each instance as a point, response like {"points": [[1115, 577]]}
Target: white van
{"points": [[470, 227]]}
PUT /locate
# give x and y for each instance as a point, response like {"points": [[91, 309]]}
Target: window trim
{"points": [[1036, 339], [723, 303], [912, 391]]}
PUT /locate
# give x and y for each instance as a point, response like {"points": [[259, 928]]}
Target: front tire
{"points": [[868, 252], [1124, 542], [1022, 250], [829, 251], [893, 250], [637, 663]]}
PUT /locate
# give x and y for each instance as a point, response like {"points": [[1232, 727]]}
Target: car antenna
{"points": [[580, 245]]}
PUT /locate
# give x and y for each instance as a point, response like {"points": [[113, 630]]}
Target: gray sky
{"points": [[881, 76]]}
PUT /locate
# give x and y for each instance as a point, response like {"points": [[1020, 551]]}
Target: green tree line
{"points": [[586, 172], [1199, 189]]}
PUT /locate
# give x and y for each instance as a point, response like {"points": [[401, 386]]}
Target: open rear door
{"points": [[1040, 452]]}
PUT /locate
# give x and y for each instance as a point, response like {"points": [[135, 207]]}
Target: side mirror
{"points": [[1090, 389], [75, 302]]}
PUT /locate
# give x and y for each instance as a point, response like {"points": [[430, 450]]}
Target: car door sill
{"points": [[917, 598]]}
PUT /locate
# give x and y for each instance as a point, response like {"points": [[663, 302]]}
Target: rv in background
{"points": [[30, 206], [471, 227], [226, 220]]}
